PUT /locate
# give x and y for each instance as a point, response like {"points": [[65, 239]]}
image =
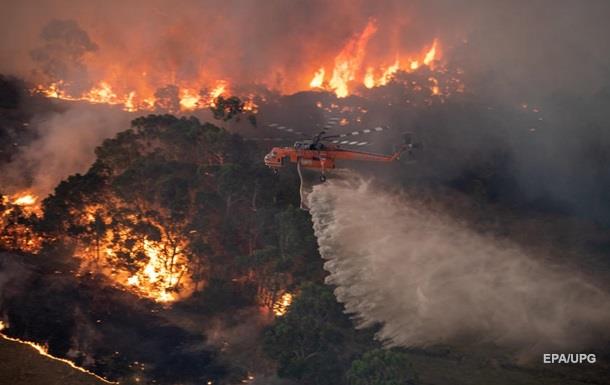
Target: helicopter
{"points": [[321, 153]]}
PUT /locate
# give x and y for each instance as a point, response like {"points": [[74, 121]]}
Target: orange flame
{"points": [[280, 307], [369, 78], [189, 100], [349, 63], [104, 93], [318, 79], [133, 87], [14, 234], [431, 54], [25, 199], [162, 270]]}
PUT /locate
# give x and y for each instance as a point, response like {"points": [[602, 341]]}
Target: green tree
{"points": [[381, 367], [315, 342], [228, 108]]}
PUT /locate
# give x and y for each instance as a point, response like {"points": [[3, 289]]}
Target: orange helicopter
{"points": [[316, 154]]}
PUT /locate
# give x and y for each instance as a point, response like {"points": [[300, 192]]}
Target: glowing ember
{"points": [[249, 105], [435, 88], [280, 307]]}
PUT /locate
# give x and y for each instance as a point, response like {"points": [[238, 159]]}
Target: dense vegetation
{"points": [[176, 180], [234, 241]]}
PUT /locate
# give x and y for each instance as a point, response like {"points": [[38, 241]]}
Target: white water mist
{"points": [[428, 279]]}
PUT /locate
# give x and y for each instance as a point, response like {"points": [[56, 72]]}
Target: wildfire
{"points": [[25, 199], [189, 100], [103, 94], [431, 54], [155, 271], [43, 350], [349, 61], [159, 268], [249, 105], [280, 307], [153, 268], [141, 87], [348, 67], [318, 78], [16, 232], [189, 97], [220, 89]]}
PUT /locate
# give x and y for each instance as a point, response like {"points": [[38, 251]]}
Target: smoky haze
{"points": [[428, 279], [65, 145], [528, 48], [533, 52]]}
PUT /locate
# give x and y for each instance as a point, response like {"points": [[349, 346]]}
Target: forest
{"points": [[152, 233], [179, 258]]}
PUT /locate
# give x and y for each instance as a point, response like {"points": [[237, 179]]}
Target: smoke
{"points": [[64, 145], [61, 55], [428, 279], [240, 343], [524, 47], [511, 53], [13, 274]]}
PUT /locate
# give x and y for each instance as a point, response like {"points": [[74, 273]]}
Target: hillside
{"points": [[21, 364]]}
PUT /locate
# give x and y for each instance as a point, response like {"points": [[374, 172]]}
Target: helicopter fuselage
{"points": [[310, 154]]}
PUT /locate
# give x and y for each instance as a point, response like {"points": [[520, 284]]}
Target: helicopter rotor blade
{"points": [[331, 123], [351, 142], [269, 139], [358, 132], [281, 127]]}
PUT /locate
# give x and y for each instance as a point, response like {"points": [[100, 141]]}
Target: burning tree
{"points": [[17, 224], [168, 203], [131, 217]]}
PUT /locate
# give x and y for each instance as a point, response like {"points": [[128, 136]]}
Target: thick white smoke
{"points": [[428, 279]]}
